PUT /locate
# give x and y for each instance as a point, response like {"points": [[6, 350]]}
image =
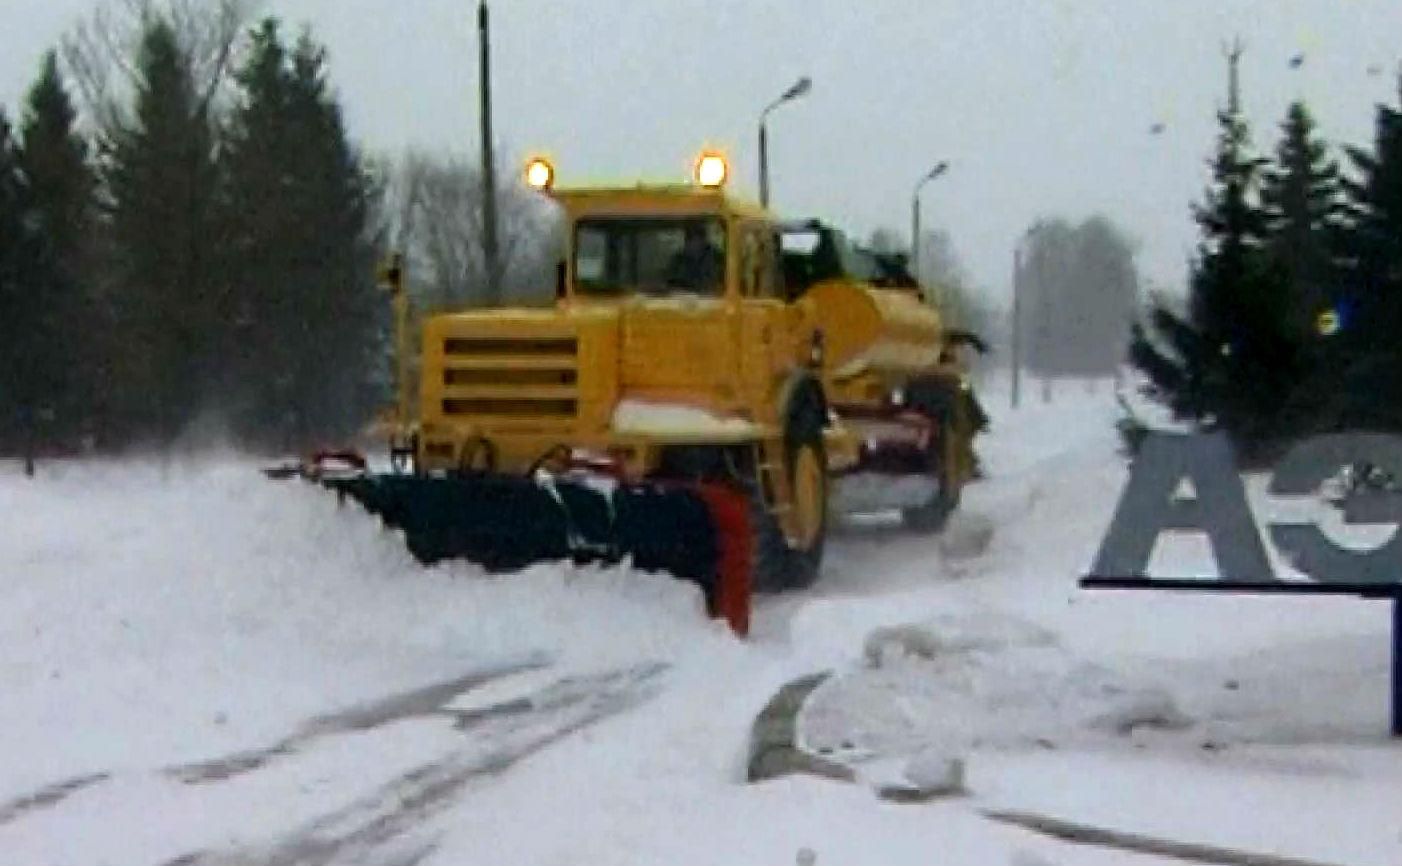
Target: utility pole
{"points": [[1043, 312], [1234, 52], [1017, 321], [490, 244], [763, 164]]}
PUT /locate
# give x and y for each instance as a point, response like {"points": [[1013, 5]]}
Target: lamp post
{"points": [[799, 88], [915, 217]]}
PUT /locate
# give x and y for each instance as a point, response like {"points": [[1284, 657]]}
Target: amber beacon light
{"points": [[540, 174], [711, 170]]}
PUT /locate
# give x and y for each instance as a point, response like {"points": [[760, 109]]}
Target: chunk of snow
{"points": [[951, 633], [966, 536], [1150, 708], [934, 772]]}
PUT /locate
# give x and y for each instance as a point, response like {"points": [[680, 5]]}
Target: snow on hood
{"points": [[679, 302], [652, 418]]}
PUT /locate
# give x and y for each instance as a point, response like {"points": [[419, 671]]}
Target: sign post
{"points": [[1397, 666], [1149, 507]]}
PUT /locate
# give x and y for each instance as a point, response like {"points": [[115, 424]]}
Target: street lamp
{"points": [[800, 87], [915, 217]]}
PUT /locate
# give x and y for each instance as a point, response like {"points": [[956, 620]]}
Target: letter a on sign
{"points": [[1149, 507]]}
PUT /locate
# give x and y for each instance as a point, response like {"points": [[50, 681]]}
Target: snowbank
{"points": [[160, 615]]}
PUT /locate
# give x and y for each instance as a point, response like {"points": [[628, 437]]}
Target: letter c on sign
{"points": [[1307, 548]]}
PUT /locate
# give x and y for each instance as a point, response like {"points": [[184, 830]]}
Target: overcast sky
{"points": [[1043, 107]]}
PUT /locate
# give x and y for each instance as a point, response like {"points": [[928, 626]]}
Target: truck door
{"points": [[765, 333]]}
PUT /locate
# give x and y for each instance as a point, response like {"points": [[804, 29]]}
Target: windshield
{"points": [[650, 256]]}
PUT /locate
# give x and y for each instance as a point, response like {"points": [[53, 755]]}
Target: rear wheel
{"points": [[780, 564], [935, 403]]}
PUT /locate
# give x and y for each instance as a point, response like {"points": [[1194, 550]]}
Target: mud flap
{"points": [[696, 532]]}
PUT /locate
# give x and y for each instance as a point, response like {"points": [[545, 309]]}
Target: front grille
{"points": [[517, 379]]}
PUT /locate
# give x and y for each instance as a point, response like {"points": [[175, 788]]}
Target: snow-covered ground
{"points": [[198, 665]]}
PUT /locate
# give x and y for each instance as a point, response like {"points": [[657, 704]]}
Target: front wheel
{"points": [[779, 563]]}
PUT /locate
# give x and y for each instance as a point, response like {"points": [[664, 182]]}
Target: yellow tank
{"points": [[873, 330]]}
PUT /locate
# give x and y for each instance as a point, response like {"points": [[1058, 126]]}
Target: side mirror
{"points": [[391, 275]]}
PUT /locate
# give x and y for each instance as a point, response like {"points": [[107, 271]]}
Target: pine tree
{"points": [[1301, 199], [259, 226], [298, 210], [1230, 362], [1375, 242], [54, 160], [1369, 383], [160, 178], [21, 268]]}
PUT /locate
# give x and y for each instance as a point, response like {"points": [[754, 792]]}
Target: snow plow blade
{"points": [[504, 523]]}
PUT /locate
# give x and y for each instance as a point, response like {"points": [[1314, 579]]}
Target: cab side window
{"points": [[749, 257], [758, 267]]}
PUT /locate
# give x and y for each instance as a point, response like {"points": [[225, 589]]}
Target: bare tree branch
{"points": [[438, 225], [101, 54]]}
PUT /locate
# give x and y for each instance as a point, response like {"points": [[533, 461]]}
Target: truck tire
{"points": [[934, 402], [779, 565]]}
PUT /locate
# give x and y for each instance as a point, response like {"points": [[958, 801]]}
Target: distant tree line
{"points": [[1078, 290], [1295, 294]]}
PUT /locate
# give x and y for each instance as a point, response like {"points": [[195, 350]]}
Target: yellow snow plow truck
{"points": [[710, 387]]}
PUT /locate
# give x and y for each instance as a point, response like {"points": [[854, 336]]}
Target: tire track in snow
{"points": [[426, 701], [421, 702], [380, 827], [48, 796]]}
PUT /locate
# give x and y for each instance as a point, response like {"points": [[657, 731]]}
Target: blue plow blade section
{"points": [[506, 523]]}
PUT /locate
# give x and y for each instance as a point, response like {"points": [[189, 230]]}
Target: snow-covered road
{"points": [[199, 666]]}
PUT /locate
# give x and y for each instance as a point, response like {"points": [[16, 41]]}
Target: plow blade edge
{"points": [[696, 532]]}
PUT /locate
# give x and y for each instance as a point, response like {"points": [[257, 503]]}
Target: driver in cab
{"points": [[698, 266]]}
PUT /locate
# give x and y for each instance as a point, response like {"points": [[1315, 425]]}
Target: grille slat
{"points": [[501, 378], [551, 361], [515, 409], [508, 347]]}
